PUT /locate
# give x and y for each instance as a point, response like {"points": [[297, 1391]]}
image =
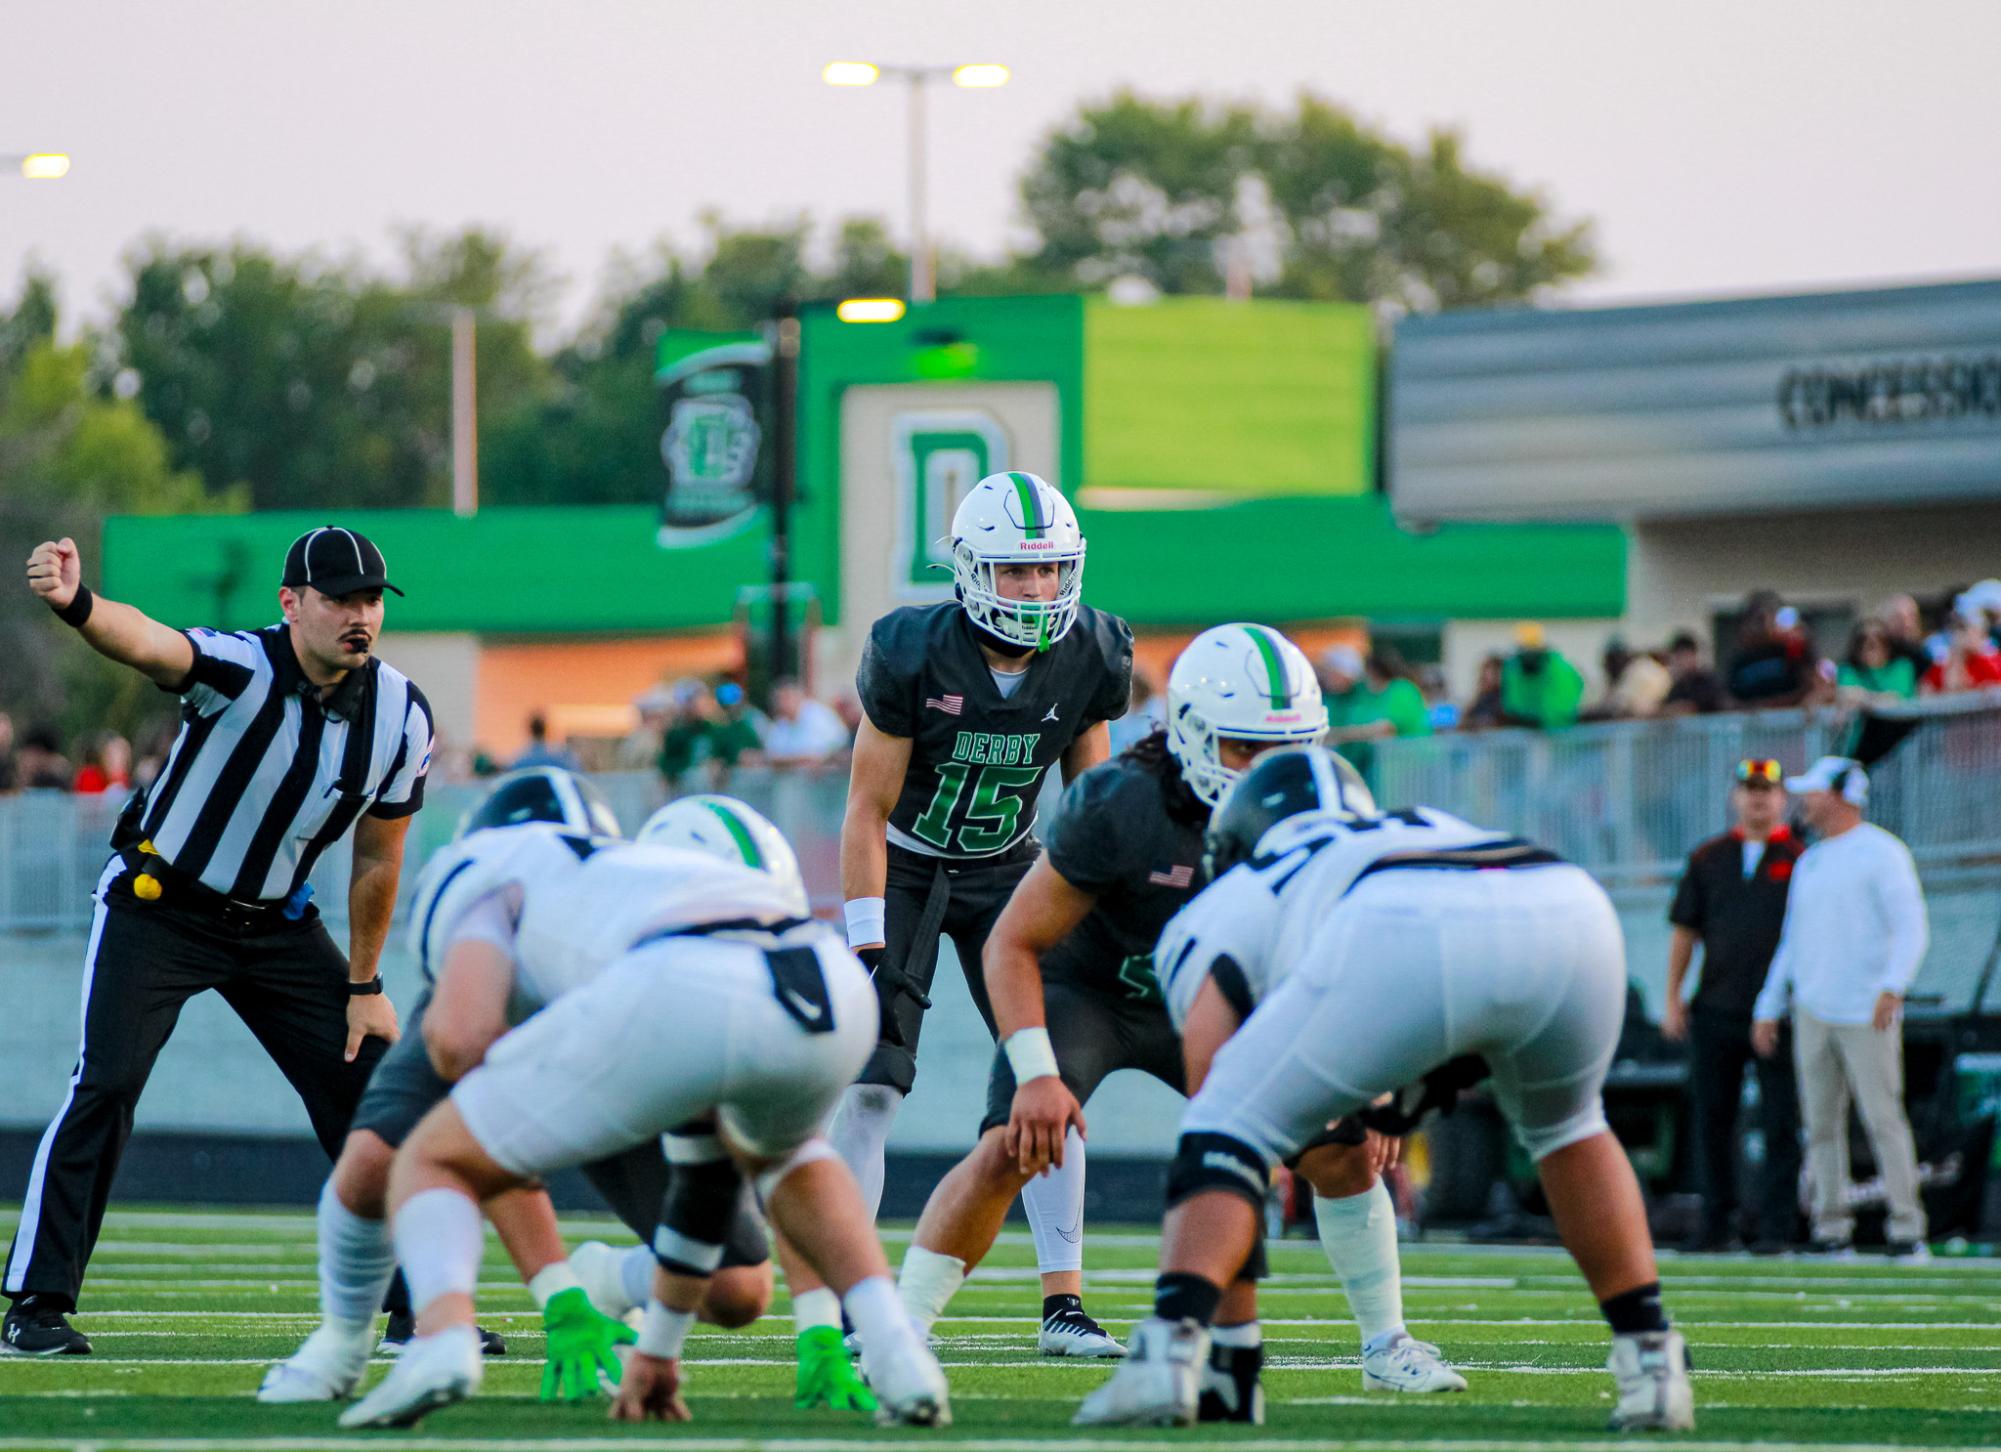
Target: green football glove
{"points": [[826, 1379], [583, 1344]]}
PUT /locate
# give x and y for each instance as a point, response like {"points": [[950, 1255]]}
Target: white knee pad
{"points": [[815, 1148]]}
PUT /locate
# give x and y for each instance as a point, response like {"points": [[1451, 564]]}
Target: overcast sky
{"points": [[1720, 145]]}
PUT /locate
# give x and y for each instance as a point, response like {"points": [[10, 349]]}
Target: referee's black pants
{"points": [[285, 979]]}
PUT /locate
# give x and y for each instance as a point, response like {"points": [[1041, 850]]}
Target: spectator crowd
{"points": [[695, 732]]}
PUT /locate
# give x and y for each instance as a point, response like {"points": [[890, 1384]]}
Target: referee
{"points": [[290, 735]]}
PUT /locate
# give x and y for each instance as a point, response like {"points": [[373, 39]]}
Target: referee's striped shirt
{"points": [[266, 775]]}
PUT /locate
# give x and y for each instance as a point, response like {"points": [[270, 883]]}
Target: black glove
{"points": [[890, 985]]}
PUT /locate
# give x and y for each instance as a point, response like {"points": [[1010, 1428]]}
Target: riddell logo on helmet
{"points": [[1040, 544]]}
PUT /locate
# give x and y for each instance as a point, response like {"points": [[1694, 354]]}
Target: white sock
{"points": [[1243, 1335], [878, 1315], [439, 1241], [1359, 1234], [929, 1281], [356, 1264], [635, 1273], [1055, 1205], [815, 1308], [860, 1132]]}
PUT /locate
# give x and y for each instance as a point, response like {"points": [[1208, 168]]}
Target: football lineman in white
{"points": [[678, 989], [1340, 955]]}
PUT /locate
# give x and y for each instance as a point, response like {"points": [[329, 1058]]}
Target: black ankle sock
{"points": [[1636, 1312], [1057, 1305], [1179, 1296]]}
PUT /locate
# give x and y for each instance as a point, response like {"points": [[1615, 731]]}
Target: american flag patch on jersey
{"points": [[1176, 876], [950, 705]]}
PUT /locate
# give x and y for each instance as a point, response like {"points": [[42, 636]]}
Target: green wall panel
{"points": [[1287, 560], [1252, 398], [501, 571]]}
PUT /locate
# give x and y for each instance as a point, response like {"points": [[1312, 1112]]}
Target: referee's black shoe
{"points": [[402, 1330], [39, 1326]]}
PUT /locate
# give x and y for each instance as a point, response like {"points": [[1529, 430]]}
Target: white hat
{"points": [[1984, 596], [1840, 774]]}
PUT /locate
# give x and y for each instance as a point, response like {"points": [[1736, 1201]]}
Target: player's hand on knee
{"points": [[650, 1392], [1385, 1151], [1043, 1111]]}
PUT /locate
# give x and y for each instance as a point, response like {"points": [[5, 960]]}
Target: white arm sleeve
{"points": [[1774, 996], [1903, 904]]}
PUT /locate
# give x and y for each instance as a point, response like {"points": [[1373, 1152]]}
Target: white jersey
{"points": [[564, 904], [1252, 924]]}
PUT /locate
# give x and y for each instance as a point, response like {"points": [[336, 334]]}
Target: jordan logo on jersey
{"points": [[1052, 714]]}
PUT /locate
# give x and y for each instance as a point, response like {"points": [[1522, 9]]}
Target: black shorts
{"points": [[404, 1088], [924, 899], [1094, 1031]]}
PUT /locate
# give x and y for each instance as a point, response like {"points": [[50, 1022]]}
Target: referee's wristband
{"points": [[1029, 1054], [365, 987], [662, 1332], [78, 609], [865, 917]]}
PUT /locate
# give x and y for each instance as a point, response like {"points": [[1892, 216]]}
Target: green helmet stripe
{"points": [[745, 843], [1031, 507], [1281, 692]]}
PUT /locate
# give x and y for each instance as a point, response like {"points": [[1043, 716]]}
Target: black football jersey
{"points": [[1131, 835], [977, 761]]}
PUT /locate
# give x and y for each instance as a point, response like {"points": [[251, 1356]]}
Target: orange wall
{"points": [[586, 687]]}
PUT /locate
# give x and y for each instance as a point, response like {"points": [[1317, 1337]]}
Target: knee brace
{"points": [[1217, 1162], [815, 1148], [696, 1215]]}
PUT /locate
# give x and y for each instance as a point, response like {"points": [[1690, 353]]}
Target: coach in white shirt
{"points": [[1853, 938]]}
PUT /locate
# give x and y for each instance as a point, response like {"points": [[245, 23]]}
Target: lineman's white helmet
{"points": [[729, 831], [1246, 682], [1017, 518]]}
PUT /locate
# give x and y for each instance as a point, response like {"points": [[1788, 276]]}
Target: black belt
{"points": [[1506, 852], [186, 891]]}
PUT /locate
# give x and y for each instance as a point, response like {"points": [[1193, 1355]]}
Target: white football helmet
{"points": [[729, 831], [1246, 682], [1017, 518]]}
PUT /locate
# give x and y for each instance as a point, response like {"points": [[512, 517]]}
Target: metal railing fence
{"points": [[1626, 800]]}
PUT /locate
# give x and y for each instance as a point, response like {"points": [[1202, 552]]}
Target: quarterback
{"points": [[968, 704]]}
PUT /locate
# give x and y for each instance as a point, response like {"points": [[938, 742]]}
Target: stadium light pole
{"points": [[982, 76], [36, 165]]}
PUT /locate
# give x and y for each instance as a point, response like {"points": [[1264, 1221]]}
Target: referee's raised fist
{"points": [[54, 571]]}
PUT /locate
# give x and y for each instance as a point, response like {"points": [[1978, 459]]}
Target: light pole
{"points": [[36, 165], [980, 77]]}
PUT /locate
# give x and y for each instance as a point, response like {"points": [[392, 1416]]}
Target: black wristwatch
{"points": [[363, 990]]}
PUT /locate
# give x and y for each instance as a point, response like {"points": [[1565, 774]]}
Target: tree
{"points": [[1320, 205], [319, 384], [69, 457]]}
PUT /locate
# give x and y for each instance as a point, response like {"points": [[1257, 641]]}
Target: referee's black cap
{"points": [[336, 561]]}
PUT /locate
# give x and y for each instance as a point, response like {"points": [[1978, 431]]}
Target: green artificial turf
{"points": [[186, 1309]]}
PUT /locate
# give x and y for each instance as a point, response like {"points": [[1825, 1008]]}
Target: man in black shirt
{"points": [[1732, 900]]}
